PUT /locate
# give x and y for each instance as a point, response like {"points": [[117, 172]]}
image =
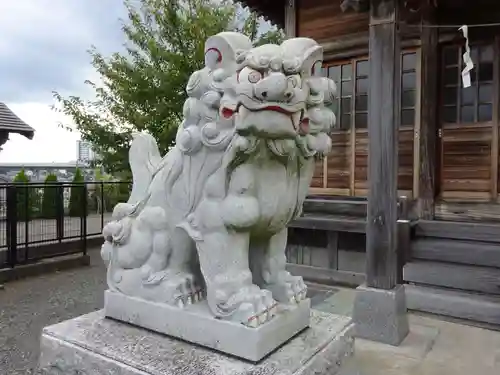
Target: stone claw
{"points": [[288, 289], [261, 310], [180, 303]]}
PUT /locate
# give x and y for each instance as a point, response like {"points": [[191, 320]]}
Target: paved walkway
{"points": [[434, 347]]}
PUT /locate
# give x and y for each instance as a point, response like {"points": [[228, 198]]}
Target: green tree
{"points": [[24, 196], [50, 197], [108, 191], [143, 89], [77, 197]]}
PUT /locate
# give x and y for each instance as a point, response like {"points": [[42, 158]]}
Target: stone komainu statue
{"points": [[209, 220]]}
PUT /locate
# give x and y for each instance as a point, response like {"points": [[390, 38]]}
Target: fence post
{"points": [[12, 225], [28, 206], [102, 205], [83, 230], [60, 211]]}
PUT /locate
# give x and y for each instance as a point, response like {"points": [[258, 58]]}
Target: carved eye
{"points": [[316, 69], [254, 77], [212, 58], [250, 75]]}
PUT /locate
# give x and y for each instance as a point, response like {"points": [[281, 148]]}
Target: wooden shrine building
{"points": [[433, 221]]}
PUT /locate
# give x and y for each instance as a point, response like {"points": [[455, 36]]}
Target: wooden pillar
{"points": [[383, 123], [427, 136], [290, 18]]}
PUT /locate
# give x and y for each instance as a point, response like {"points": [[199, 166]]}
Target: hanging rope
{"points": [[425, 26]]}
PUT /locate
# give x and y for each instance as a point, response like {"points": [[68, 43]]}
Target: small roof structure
{"points": [[10, 123], [271, 10]]}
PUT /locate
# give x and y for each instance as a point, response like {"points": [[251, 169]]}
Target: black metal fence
{"points": [[40, 220]]}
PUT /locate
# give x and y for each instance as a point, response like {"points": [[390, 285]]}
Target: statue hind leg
{"points": [[183, 261], [285, 287]]}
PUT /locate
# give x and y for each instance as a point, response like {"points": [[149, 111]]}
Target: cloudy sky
{"points": [[43, 48]]}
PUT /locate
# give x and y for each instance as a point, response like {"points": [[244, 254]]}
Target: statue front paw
{"points": [[250, 306], [106, 252], [146, 271], [288, 288]]}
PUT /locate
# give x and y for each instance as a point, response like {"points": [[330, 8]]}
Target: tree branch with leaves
{"points": [[143, 88]]}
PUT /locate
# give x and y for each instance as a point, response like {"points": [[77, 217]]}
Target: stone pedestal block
{"points": [[381, 315], [195, 323], [93, 344]]}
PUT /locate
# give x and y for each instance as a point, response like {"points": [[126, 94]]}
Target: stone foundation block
{"points": [[381, 315], [93, 344]]}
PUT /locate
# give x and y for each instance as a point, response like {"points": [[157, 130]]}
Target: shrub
{"points": [[77, 197], [24, 196], [50, 197]]}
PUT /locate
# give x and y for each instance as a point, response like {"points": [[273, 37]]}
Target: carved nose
{"points": [[273, 88]]}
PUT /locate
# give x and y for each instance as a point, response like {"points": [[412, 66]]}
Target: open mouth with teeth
{"points": [[299, 120]]}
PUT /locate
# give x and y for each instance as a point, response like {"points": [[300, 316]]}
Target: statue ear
{"points": [[312, 62], [220, 50], [213, 56], [307, 51]]}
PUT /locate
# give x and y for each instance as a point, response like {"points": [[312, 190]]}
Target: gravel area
{"points": [[26, 306]]}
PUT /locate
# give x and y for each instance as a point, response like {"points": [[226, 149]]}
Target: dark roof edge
{"points": [[11, 123]]}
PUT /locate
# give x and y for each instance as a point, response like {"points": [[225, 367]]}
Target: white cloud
{"points": [[43, 48], [50, 144]]}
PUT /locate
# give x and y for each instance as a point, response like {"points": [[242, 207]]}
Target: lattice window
{"points": [[353, 83], [473, 104]]}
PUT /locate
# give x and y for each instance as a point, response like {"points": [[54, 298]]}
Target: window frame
{"points": [[458, 104], [353, 61]]}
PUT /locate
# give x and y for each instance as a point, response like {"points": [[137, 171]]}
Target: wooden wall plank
{"points": [[466, 164], [324, 21], [338, 161], [405, 160], [317, 180], [478, 279], [326, 276]]}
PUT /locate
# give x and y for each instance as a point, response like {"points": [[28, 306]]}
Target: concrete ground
{"points": [[434, 347]]}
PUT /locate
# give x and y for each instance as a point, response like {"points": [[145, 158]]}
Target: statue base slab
{"points": [[93, 344], [195, 323]]}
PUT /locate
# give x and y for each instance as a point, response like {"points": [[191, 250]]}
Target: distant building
{"points": [[84, 152]]}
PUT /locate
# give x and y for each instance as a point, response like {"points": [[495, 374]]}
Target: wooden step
{"points": [[344, 207], [454, 276], [452, 303], [330, 223], [458, 230], [456, 251]]}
